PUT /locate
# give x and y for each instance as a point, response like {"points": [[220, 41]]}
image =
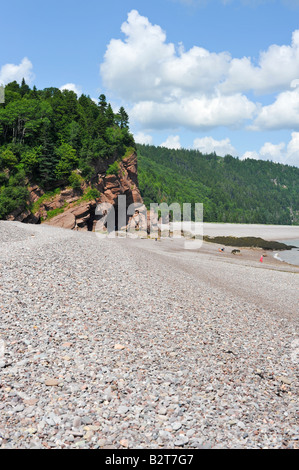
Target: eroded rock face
{"points": [[81, 215], [65, 220], [21, 215], [76, 217], [25, 215], [123, 184]]}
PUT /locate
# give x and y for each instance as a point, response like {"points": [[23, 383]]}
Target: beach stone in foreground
{"points": [[206, 347]]}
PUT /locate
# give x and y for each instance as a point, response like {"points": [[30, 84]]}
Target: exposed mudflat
{"points": [[268, 232]]}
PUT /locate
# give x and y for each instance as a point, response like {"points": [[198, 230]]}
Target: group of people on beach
{"points": [[221, 250]]}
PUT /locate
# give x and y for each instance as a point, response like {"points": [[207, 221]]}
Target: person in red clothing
{"points": [[261, 259]]}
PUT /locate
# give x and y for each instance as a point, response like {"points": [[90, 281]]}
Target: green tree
{"points": [[24, 88], [7, 159], [75, 180], [30, 160], [67, 160], [102, 103], [109, 114], [123, 118]]}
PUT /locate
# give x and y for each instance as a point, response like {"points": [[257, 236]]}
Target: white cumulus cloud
{"points": [[145, 67], [252, 154], [203, 112], [282, 114], [277, 67], [142, 138], [280, 153], [72, 87], [220, 147], [169, 87], [12, 72], [132, 67], [172, 142]]}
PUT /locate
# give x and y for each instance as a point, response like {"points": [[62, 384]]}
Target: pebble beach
{"points": [[140, 344]]}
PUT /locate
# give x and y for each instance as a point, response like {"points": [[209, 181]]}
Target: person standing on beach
{"points": [[261, 259]]}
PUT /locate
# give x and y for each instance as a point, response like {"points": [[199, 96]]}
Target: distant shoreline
{"points": [[247, 255], [267, 232]]}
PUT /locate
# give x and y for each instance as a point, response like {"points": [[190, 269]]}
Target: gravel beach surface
{"points": [[109, 343]]}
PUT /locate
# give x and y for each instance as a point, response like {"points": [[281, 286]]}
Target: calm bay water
{"points": [[290, 256]]}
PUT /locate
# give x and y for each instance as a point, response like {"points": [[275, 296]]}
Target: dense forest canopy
{"points": [[53, 138], [232, 190]]}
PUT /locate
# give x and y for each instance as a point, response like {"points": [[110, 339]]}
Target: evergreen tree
{"points": [[102, 103], [48, 159], [24, 88], [123, 118], [109, 115]]}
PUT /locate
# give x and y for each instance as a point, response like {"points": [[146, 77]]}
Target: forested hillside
{"points": [[248, 191], [53, 138]]}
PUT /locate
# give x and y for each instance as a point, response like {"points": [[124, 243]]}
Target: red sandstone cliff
{"points": [[77, 213]]}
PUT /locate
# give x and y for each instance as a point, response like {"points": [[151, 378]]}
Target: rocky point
{"points": [[77, 213]]}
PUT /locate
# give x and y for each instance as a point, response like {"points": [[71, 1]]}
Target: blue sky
{"points": [[217, 75]]}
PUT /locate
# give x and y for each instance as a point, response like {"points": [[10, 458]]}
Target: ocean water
{"points": [[289, 256]]}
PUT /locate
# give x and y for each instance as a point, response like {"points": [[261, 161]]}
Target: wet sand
{"points": [[271, 284], [248, 256]]}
